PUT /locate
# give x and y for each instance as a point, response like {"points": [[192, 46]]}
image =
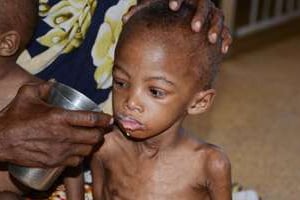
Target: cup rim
{"points": [[60, 87]]}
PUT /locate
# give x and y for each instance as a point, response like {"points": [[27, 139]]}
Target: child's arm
{"points": [[97, 177], [74, 183], [8, 184], [219, 176]]}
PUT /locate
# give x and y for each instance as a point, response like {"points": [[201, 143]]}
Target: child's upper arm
{"points": [[97, 177], [218, 171], [74, 183]]}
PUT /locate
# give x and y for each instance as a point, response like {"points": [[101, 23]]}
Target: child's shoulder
{"points": [[211, 166], [209, 155]]}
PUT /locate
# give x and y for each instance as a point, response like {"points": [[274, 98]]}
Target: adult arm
{"points": [[33, 133]]}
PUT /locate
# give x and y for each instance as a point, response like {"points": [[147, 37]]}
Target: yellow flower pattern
{"points": [[104, 47], [69, 20]]}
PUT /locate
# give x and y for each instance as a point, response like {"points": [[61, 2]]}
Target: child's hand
{"points": [[206, 10]]}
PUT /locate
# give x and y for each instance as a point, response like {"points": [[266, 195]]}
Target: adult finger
{"points": [[45, 88], [89, 136], [32, 158], [203, 8], [73, 161], [129, 13], [81, 150], [72, 157], [226, 39], [27, 163], [175, 4], [217, 22], [88, 118], [133, 9], [35, 90]]}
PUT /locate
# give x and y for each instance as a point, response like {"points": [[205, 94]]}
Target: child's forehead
{"points": [[172, 42], [170, 46], [153, 57]]}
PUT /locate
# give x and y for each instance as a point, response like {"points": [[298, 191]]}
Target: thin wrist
{"points": [[3, 149]]}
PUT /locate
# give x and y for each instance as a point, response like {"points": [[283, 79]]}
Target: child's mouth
{"points": [[129, 123]]}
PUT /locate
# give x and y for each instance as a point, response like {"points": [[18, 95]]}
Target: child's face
{"points": [[153, 87]]}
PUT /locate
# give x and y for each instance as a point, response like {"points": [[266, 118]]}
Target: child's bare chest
{"points": [[170, 177]]}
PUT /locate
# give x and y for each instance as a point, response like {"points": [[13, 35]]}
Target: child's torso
{"points": [[172, 174]]}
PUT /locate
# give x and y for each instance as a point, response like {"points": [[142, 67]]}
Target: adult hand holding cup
{"points": [[78, 130]]}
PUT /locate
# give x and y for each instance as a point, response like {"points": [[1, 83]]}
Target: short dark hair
{"points": [[19, 15], [157, 18]]}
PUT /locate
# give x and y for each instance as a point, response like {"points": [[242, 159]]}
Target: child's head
{"points": [[163, 70], [17, 22]]}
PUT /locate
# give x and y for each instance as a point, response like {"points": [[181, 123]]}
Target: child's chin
{"points": [[134, 135]]}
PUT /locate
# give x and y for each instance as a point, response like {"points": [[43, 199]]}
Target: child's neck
{"points": [[155, 146]]}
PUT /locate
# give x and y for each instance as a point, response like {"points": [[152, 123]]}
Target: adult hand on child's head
{"points": [[34, 133], [206, 10]]}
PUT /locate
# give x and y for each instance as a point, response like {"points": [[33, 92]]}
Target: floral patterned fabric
{"points": [[74, 43], [60, 194]]}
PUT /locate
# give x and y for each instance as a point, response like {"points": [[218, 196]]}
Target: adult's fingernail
{"points": [[52, 80], [125, 18], [225, 49], [173, 5], [196, 26], [213, 38], [111, 121]]}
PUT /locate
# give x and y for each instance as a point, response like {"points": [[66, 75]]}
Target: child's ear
{"points": [[9, 43], [201, 101]]}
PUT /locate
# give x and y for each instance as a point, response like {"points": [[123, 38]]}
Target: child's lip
{"points": [[129, 123]]}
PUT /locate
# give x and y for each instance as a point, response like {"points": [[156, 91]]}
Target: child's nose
{"points": [[133, 102]]}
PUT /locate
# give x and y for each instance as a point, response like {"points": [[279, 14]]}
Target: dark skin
{"points": [[34, 133], [153, 157], [32, 137], [9, 196], [31, 130], [205, 11], [190, 170]]}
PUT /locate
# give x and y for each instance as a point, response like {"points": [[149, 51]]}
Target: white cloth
{"points": [[245, 195]]}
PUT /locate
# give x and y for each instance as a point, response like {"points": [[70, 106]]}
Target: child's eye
{"points": [[120, 83], [157, 93]]}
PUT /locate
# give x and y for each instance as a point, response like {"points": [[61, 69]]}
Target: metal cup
{"points": [[42, 178]]}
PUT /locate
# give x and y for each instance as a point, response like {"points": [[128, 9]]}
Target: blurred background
{"points": [[256, 114]]}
